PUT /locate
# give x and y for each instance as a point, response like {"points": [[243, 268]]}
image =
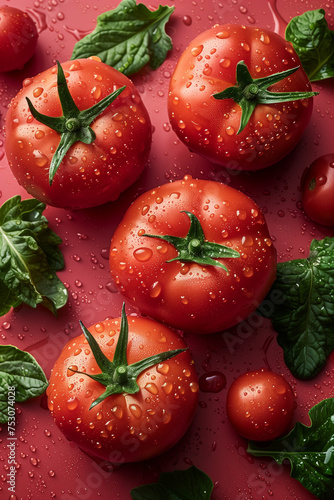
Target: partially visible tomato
{"points": [[125, 426], [96, 168], [318, 190], [225, 267], [208, 124], [260, 405], [18, 38]]}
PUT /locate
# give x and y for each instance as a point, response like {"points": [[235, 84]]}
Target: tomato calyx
{"points": [[194, 247], [248, 92], [117, 375], [74, 125]]}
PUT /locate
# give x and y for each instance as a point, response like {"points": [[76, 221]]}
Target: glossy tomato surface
{"points": [[209, 126], [318, 189], [260, 405], [125, 427], [90, 174], [18, 38], [188, 295]]}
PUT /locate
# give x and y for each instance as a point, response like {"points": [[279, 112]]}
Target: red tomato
{"points": [[209, 126], [18, 38], [260, 405], [124, 427], [190, 295], [318, 190], [90, 174]]}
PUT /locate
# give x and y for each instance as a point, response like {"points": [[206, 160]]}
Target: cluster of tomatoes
{"points": [[194, 255]]}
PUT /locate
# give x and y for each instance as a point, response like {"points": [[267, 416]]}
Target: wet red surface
{"points": [[48, 466]]}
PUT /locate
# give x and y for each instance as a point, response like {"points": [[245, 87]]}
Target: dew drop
{"points": [[96, 92], [223, 34], [167, 387], [247, 241], [37, 91], [99, 327], [118, 412], [163, 368], [71, 370], [40, 159], [135, 410], [187, 20], [212, 382], [225, 62]]}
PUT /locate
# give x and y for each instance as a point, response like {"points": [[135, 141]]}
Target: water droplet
{"points": [[37, 91], [241, 214], [39, 134], [230, 130], [152, 388], [223, 34], [118, 412], [265, 38], [321, 180], [167, 387], [72, 403], [143, 254], [212, 382], [163, 368], [187, 20], [194, 387], [135, 410], [248, 271], [247, 241], [195, 51], [71, 370], [40, 159], [77, 351], [156, 289]]}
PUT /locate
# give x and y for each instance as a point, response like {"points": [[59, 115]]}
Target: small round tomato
{"points": [[18, 38], [125, 390], [224, 97], [260, 405], [78, 134], [194, 254], [317, 190]]}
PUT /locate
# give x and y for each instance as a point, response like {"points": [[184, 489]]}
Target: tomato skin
{"points": [[189, 296], [90, 174], [209, 126], [260, 405], [317, 190], [18, 38], [125, 427]]}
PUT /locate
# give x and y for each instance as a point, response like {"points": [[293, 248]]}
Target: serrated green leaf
{"points": [[29, 257], [304, 317], [314, 43], [189, 484], [128, 37], [310, 450], [19, 369]]}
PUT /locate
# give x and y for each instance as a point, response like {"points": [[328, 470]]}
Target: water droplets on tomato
{"points": [[195, 51], [142, 254]]}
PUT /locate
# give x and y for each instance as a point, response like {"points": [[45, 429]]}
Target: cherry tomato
{"points": [[18, 38], [318, 189], [234, 57], [90, 173], [109, 419], [260, 405], [184, 288]]}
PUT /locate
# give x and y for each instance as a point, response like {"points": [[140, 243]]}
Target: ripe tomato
{"points": [[122, 425], [89, 174], [186, 290], [317, 190], [18, 38], [208, 123], [260, 405]]}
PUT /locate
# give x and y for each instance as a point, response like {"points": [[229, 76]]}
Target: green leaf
{"points": [[29, 257], [314, 43], [20, 370], [310, 450], [189, 484], [304, 314], [128, 37]]}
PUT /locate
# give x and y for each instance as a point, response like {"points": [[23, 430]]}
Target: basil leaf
{"points": [[314, 43], [29, 257], [19, 369], [304, 314], [310, 450], [128, 37], [189, 484]]}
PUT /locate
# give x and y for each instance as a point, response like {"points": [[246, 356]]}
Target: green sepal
{"points": [[194, 247], [248, 92], [117, 375], [74, 125]]}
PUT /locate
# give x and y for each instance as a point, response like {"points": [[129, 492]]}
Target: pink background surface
{"points": [[48, 466]]}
